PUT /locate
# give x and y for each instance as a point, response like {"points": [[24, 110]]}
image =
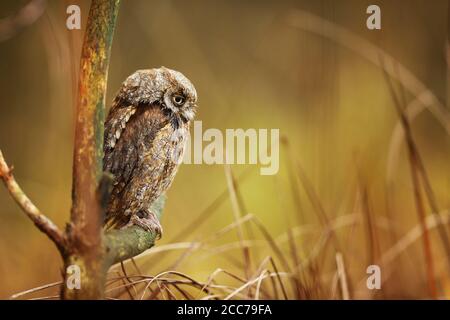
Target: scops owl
{"points": [[145, 135]]}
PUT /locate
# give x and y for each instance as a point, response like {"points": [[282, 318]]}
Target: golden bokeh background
{"points": [[255, 64]]}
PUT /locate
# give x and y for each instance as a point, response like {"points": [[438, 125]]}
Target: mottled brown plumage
{"points": [[145, 135]]}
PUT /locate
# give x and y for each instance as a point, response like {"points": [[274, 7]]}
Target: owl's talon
{"points": [[147, 220]]}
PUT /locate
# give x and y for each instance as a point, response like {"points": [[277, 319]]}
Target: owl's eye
{"points": [[178, 99]]}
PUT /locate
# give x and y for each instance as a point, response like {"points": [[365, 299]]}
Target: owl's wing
{"points": [[129, 136], [119, 159], [114, 126]]}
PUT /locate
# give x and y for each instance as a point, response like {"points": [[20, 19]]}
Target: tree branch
{"points": [[123, 244], [40, 220]]}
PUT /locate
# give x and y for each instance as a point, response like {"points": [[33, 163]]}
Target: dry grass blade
{"points": [[261, 268], [230, 227], [124, 271], [214, 274], [334, 285], [252, 282], [184, 293], [169, 293], [47, 297], [180, 274], [237, 215], [258, 284], [272, 244], [292, 181], [374, 246], [124, 285], [296, 260], [279, 278], [413, 109], [317, 204], [210, 280], [429, 264], [411, 236], [212, 296], [342, 276], [33, 290]]}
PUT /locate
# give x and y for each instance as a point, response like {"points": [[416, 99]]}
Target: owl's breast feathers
{"points": [[143, 147]]}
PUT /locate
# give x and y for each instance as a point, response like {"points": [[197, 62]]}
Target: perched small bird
{"points": [[145, 135]]}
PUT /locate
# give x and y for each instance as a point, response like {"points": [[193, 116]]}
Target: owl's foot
{"points": [[148, 221]]}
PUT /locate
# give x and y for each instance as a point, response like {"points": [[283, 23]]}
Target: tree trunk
{"points": [[84, 234]]}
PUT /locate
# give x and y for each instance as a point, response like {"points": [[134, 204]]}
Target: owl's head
{"points": [[166, 87]]}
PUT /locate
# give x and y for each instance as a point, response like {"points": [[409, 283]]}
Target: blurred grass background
{"points": [[253, 68]]}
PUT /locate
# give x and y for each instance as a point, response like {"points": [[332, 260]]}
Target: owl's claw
{"points": [[148, 221]]}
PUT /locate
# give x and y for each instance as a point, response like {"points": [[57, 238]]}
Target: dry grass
{"points": [[280, 275]]}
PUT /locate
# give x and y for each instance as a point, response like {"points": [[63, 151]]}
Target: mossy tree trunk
{"points": [[84, 230]]}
